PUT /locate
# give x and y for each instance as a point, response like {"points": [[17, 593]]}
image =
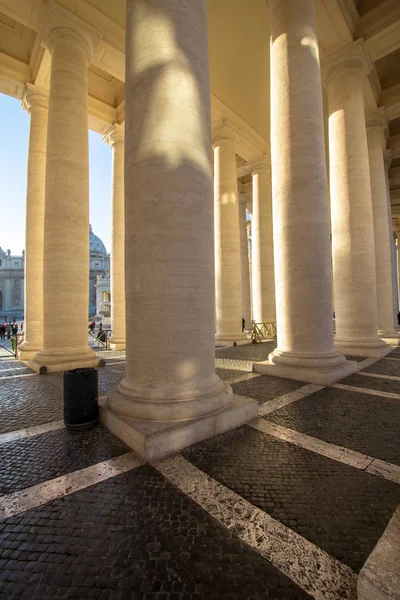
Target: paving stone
{"points": [[30, 461], [342, 510], [385, 367], [355, 420], [252, 352], [135, 536], [395, 355], [373, 383], [228, 373], [266, 387]]}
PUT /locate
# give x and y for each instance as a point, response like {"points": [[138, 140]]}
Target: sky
{"points": [[14, 127]]}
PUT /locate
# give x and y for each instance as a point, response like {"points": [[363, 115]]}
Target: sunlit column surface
{"points": [[169, 254], [228, 291], [353, 247], [244, 259], [305, 347], [35, 101], [376, 121], [387, 159], [66, 222], [115, 137], [262, 244]]}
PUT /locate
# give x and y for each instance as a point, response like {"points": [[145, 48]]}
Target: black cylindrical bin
{"points": [[81, 409]]}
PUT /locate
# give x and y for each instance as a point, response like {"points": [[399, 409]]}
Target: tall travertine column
{"points": [[66, 221], [115, 137], [353, 248], [387, 158], [170, 388], [244, 260], [305, 347], [262, 244], [376, 121], [36, 102], [228, 286]]}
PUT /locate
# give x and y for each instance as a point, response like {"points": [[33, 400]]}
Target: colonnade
{"points": [[164, 246]]}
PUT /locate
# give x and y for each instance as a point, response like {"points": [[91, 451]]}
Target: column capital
{"points": [[262, 163], [115, 135], [377, 118], [33, 97], [58, 22], [224, 133], [354, 56]]}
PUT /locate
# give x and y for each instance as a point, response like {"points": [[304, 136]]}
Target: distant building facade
{"points": [[12, 277]]}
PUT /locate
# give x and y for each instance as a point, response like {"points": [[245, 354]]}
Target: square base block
{"points": [[153, 440], [238, 342], [392, 341], [312, 375], [360, 350], [65, 366]]}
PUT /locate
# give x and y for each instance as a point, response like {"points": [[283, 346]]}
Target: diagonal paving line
{"points": [[352, 388], [19, 376], [35, 496], [363, 462], [18, 434], [367, 362], [379, 376], [272, 405], [320, 575]]}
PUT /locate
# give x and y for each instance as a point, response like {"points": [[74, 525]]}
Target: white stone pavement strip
{"points": [[351, 388], [242, 378], [379, 376], [272, 405], [338, 453], [13, 369], [18, 376], [42, 493], [320, 575], [373, 466], [367, 363], [389, 358], [30, 431]]}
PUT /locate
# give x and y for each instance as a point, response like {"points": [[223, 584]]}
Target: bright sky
{"points": [[14, 127]]}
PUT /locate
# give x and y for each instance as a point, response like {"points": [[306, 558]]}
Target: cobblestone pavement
{"points": [[137, 536]]}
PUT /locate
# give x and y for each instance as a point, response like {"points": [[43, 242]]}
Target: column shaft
{"points": [[353, 245], [37, 105], [263, 245], [228, 290], [118, 337], [244, 260], [66, 225], [169, 254], [305, 348], [383, 235]]}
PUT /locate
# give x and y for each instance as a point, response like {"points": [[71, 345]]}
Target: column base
{"points": [[316, 368], [27, 350], [374, 348], [390, 337], [153, 440], [231, 340], [117, 344], [53, 362]]}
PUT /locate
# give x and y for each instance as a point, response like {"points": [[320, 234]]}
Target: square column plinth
{"points": [[323, 376], [153, 440]]}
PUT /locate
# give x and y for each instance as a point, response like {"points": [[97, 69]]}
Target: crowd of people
{"points": [[9, 329]]}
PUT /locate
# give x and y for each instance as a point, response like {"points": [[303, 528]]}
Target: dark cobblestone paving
{"points": [[395, 355], [29, 401], [367, 424], [340, 509], [373, 383], [229, 373], [385, 367], [24, 463], [266, 387], [12, 371], [254, 352], [133, 537], [9, 363], [109, 379]]}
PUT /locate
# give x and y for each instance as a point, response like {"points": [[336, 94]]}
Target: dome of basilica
{"points": [[96, 246]]}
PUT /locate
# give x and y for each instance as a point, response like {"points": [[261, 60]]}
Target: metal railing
{"points": [[263, 331], [10, 345], [101, 343]]}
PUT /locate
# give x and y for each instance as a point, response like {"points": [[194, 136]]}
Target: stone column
{"points": [[387, 158], [115, 137], [376, 121], [262, 243], [170, 389], [353, 247], [228, 291], [305, 349], [66, 221], [35, 101], [244, 260]]}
